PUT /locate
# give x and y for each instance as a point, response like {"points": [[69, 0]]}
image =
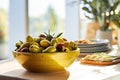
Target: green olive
{"points": [[73, 45], [67, 44], [29, 39], [26, 44], [44, 43], [37, 40], [65, 49], [35, 43], [50, 49], [34, 49], [54, 42], [41, 49], [18, 44], [42, 38], [60, 40]]}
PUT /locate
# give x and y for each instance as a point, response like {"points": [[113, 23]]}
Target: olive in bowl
{"points": [[45, 55], [46, 62]]}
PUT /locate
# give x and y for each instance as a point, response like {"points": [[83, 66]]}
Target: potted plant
{"points": [[103, 12], [116, 21]]}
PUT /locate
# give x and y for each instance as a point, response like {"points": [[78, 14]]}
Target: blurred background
{"points": [[20, 18]]}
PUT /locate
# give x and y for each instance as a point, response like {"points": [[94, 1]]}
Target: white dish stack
{"points": [[99, 45]]}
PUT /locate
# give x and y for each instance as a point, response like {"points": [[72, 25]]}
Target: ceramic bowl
{"points": [[46, 62]]}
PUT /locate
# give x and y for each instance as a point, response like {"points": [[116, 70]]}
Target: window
{"points": [[4, 5], [45, 15], [4, 10], [67, 19]]}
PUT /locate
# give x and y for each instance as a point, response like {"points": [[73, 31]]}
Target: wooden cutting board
{"points": [[83, 61]]}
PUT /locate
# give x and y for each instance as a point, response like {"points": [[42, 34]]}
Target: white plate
{"points": [[101, 45], [94, 50], [98, 42], [95, 47]]}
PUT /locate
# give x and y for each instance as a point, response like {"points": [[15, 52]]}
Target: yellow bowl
{"points": [[46, 62]]}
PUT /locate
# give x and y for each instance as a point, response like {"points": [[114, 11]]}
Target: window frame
{"points": [[18, 22], [18, 17]]}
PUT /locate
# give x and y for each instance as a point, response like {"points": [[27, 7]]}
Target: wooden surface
{"points": [[104, 63]]}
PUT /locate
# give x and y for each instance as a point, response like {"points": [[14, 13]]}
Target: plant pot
{"points": [[104, 35], [92, 27], [3, 51]]}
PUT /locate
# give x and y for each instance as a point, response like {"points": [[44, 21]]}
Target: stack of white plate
{"points": [[99, 45]]}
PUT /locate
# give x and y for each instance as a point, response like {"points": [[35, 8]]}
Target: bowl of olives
{"points": [[46, 53]]}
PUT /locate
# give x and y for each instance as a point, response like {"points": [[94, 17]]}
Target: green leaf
{"points": [[93, 4], [59, 35], [119, 13], [86, 9], [115, 5], [85, 1], [45, 33], [88, 17], [117, 24], [99, 8]]}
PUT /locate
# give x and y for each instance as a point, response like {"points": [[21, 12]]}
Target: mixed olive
{"points": [[45, 43]]}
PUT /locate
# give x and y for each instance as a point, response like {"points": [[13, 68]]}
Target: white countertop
{"points": [[76, 71]]}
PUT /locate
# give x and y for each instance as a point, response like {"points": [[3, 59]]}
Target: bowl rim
{"points": [[78, 49]]}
